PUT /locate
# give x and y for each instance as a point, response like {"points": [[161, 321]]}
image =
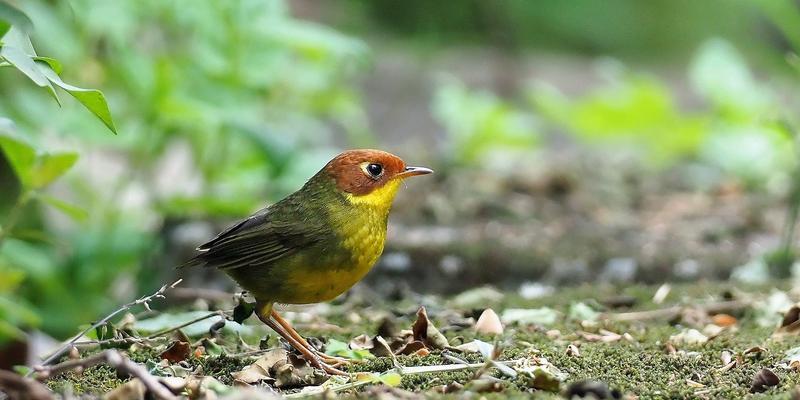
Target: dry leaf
{"points": [[381, 348], [486, 385], [410, 348], [251, 374], [688, 336], [177, 352], [261, 369], [134, 389], [763, 380], [754, 350], [489, 323], [361, 342], [477, 346], [696, 385], [553, 334], [173, 383], [790, 325], [426, 332]]}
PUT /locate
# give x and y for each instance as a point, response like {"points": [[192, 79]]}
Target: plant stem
{"points": [[144, 301]]}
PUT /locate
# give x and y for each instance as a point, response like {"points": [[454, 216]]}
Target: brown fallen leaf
{"points": [[410, 348], [173, 383], [486, 385], [296, 372], [790, 325], [381, 348], [489, 323], [133, 389], [755, 350], [764, 380], [362, 342], [177, 352], [260, 369], [424, 331]]}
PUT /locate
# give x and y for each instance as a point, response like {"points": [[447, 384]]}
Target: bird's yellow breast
{"points": [[362, 228]]}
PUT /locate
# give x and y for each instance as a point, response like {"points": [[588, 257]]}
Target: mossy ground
{"points": [[645, 366]]}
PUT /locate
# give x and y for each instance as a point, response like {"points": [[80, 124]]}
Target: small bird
{"points": [[314, 244]]}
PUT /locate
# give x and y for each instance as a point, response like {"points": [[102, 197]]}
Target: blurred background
{"points": [[619, 141]]}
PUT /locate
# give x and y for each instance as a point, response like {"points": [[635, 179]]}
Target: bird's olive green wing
{"points": [[264, 238]]}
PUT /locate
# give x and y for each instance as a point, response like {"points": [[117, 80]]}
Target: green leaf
{"points": [[21, 156], [4, 27], [334, 347], [392, 379], [51, 166], [54, 64], [341, 349], [11, 15], [73, 211], [92, 99], [25, 64]]}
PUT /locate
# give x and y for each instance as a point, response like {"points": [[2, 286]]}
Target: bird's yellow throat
{"points": [[380, 198]]}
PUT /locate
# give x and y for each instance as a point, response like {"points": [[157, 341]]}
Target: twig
{"points": [[185, 324], [116, 341], [117, 361], [671, 312], [143, 301], [19, 387]]}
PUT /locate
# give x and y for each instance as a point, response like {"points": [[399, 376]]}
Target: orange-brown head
{"points": [[365, 172]]}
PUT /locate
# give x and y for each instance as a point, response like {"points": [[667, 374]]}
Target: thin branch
{"points": [[115, 360], [671, 312], [143, 301], [116, 341], [18, 387]]}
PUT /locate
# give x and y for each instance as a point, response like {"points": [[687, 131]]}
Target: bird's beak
{"points": [[414, 171]]}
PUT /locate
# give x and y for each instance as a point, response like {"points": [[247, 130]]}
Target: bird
{"points": [[314, 244]]}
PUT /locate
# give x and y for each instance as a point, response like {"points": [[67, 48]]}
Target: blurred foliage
{"points": [[479, 123], [629, 29], [208, 97], [737, 128]]}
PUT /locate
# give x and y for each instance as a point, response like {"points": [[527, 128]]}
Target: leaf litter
{"points": [[530, 345]]}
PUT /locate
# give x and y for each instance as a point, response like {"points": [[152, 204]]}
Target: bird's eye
{"points": [[374, 170]]}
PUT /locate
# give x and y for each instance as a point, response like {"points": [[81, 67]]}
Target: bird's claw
{"points": [[329, 369]]}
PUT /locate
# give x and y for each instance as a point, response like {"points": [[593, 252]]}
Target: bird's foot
{"points": [[334, 360], [316, 362]]}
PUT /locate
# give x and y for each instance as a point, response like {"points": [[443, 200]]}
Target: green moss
{"points": [[221, 367], [644, 367], [94, 380]]}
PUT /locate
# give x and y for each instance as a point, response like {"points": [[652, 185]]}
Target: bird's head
{"points": [[370, 177]]}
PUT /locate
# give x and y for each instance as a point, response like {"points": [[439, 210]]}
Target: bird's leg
{"points": [[263, 313], [336, 361]]}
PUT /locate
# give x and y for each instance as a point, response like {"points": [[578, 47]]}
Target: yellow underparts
{"points": [[364, 233]]}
